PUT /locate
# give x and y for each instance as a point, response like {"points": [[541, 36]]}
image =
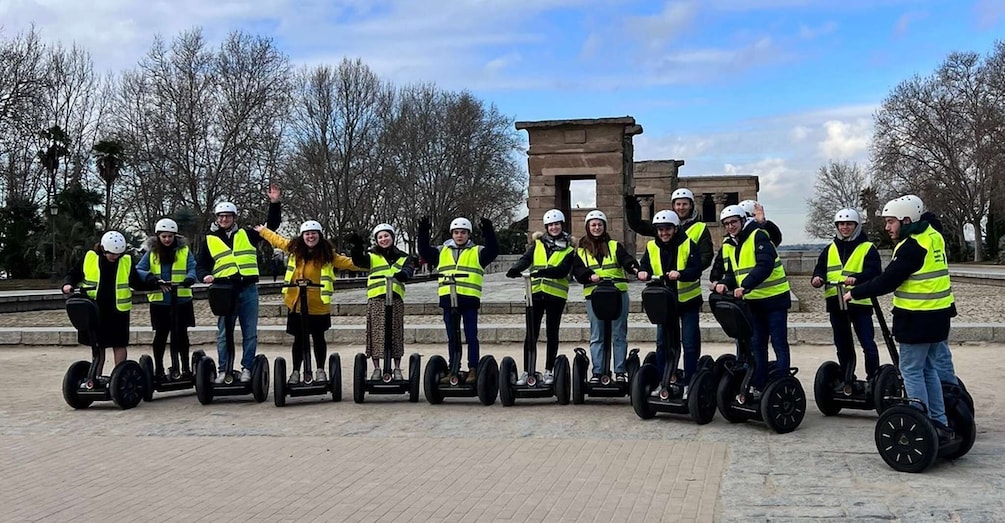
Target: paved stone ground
{"points": [[174, 459]]}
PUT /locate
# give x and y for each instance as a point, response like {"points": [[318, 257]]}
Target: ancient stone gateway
{"points": [[601, 149]]}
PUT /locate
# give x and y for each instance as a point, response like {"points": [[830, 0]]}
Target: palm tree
{"points": [[58, 147], [109, 161]]}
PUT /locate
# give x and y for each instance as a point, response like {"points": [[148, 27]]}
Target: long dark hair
{"points": [[323, 252], [165, 253], [597, 247]]}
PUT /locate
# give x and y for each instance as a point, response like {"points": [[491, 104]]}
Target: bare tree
{"points": [[838, 186], [24, 76]]}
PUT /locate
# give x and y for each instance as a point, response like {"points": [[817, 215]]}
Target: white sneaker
{"points": [[377, 375], [549, 377], [220, 377], [320, 376], [684, 397], [245, 375], [294, 377], [523, 378], [396, 374]]}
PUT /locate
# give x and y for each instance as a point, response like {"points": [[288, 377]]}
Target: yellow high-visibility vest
{"points": [[327, 280], [606, 268], [558, 287], [241, 259], [380, 269], [466, 263], [92, 276], [686, 290], [838, 272], [928, 289], [776, 283], [179, 269]]}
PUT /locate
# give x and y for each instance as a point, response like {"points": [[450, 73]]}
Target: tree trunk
{"points": [[108, 205]]}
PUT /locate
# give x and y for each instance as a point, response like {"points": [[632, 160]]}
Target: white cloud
{"points": [[903, 24], [799, 133], [844, 139]]}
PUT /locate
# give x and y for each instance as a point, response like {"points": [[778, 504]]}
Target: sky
{"points": [[773, 88]]}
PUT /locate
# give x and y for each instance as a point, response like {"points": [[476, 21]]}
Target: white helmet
{"points": [[310, 225], [383, 227], [909, 206], [166, 225], [666, 218], [223, 207], [460, 223], [748, 207], [113, 242], [732, 210], [847, 215], [553, 216], [596, 215], [682, 193]]}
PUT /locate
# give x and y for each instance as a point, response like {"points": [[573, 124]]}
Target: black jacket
{"points": [[204, 260], [105, 296], [764, 256], [908, 326], [668, 258], [361, 259], [871, 267]]}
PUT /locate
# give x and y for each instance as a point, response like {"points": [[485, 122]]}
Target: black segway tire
{"points": [[436, 367], [823, 388], [705, 362], [487, 380], [960, 411], [563, 379], [906, 440], [414, 377], [701, 396], [726, 392], [967, 397], [632, 365], [642, 384], [260, 378], [888, 388], [507, 380], [335, 376], [783, 404], [147, 364], [279, 385], [204, 375], [579, 369], [197, 356], [359, 378], [127, 385], [721, 364], [650, 358], [76, 374]]}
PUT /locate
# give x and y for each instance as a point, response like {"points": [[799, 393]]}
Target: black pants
{"points": [[160, 346], [320, 349], [554, 307]]}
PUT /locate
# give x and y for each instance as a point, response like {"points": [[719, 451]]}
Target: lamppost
{"points": [[53, 212]]}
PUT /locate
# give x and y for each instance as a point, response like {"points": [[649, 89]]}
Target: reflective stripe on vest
{"points": [[92, 277], [686, 290], [851, 267], [608, 269], [376, 285], [327, 280], [242, 259], [554, 286], [179, 269], [466, 263], [929, 288], [695, 231], [775, 284]]}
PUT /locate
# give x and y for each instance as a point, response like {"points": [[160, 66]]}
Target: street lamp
{"points": [[53, 212]]}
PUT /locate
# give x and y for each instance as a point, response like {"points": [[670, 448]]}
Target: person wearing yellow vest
{"points": [[748, 267], [923, 304], [169, 259], [755, 210], [675, 255], [384, 259], [109, 275], [460, 255], [598, 256], [231, 252], [851, 259], [549, 259], [691, 224], [311, 257]]}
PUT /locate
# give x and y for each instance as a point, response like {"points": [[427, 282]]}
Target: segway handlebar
{"points": [[840, 286]]}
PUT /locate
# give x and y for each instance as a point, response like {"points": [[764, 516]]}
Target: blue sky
{"points": [[773, 88]]}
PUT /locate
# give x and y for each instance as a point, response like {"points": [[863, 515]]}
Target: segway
{"points": [[535, 386], [307, 385], [606, 299], [179, 375], [833, 391], [223, 302], [441, 380], [659, 300], [82, 385], [782, 404], [386, 384]]}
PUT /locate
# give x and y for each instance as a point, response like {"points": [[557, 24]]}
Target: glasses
{"points": [[731, 222]]}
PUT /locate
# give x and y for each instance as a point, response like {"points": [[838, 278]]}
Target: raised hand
{"points": [[274, 192]]}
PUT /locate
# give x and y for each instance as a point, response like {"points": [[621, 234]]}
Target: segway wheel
{"points": [[959, 410], [279, 385], [701, 399], [706, 362], [967, 397], [260, 378], [906, 440], [197, 356], [507, 380], [147, 364], [335, 376], [725, 395], [888, 388], [127, 385], [359, 378], [579, 365], [632, 365], [721, 364], [204, 375], [563, 380], [414, 377], [783, 404], [436, 368], [642, 385], [650, 358], [487, 381], [823, 388], [76, 374]]}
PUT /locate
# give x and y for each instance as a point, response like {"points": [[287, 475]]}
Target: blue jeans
{"points": [[690, 340], [619, 338], [773, 324], [247, 314], [862, 323], [469, 317], [944, 363], [921, 378]]}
